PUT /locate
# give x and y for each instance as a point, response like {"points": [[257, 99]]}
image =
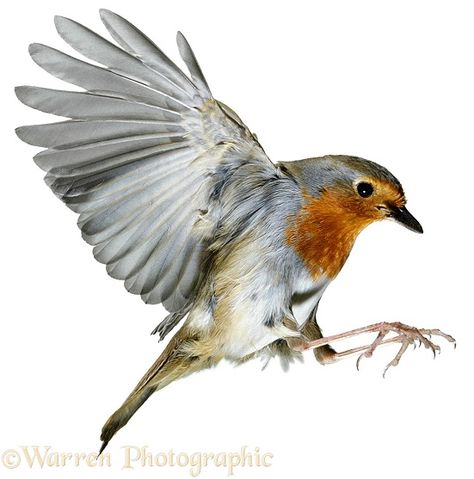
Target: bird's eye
{"points": [[365, 189]]}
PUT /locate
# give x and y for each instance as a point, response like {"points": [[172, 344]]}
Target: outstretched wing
{"points": [[142, 157]]}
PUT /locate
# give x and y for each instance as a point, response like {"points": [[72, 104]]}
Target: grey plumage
{"points": [[90, 106], [99, 80], [193, 66], [315, 174], [143, 157], [138, 45], [70, 134], [125, 67]]}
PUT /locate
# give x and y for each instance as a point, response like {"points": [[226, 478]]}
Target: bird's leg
{"points": [[324, 354], [406, 335]]}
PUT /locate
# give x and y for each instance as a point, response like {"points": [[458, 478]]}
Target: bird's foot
{"points": [[405, 335]]}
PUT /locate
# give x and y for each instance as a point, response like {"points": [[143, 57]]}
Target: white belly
{"points": [[245, 321]]}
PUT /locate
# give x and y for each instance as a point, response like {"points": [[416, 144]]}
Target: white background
{"points": [[389, 81]]}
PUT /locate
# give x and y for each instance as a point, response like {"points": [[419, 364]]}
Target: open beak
{"points": [[405, 218]]}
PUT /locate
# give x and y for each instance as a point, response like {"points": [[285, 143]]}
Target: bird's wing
{"points": [[142, 157]]}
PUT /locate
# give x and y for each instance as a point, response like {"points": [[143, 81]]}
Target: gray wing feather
{"points": [[89, 106], [101, 151], [100, 80], [134, 42], [193, 66], [96, 48], [141, 157], [69, 134]]}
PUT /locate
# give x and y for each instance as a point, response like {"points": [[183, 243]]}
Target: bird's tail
{"points": [[175, 362]]}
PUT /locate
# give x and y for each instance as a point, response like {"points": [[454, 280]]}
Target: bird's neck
{"points": [[323, 233]]}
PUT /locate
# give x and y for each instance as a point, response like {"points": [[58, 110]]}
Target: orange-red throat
{"points": [[325, 228]]}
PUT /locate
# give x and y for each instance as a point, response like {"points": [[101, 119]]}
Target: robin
{"points": [[180, 201]]}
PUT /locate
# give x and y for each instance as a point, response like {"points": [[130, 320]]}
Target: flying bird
{"points": [[179, 200]]}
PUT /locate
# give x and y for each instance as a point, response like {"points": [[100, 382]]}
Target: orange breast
{"points": [[324, 230]]}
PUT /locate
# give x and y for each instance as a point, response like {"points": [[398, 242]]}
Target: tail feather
{"points": [[120, 417], [172, 364]]}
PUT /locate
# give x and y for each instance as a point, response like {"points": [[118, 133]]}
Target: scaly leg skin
{"points": [[324, 354], [406, 335]]}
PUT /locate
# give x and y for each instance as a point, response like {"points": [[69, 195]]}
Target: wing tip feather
{"points": [[106, 15], [189, 58], [61, 24], [33, 48], [22, 92], [58, 19], [105, 12], [23, 133]]}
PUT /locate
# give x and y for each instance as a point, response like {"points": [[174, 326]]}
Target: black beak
{"points": [[404, 217]]}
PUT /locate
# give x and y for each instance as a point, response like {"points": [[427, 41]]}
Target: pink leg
{"points": [[406, 335]]}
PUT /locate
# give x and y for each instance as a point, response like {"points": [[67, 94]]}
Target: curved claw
{"points": [[358, 361], [435, 348], [392, 363]]}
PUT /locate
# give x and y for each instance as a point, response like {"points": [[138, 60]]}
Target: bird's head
{"points": [[341, 196]]}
